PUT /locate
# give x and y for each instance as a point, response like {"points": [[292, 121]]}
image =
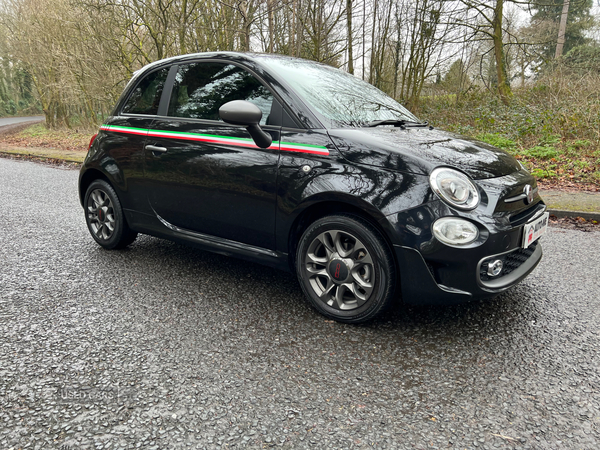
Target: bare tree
{"points": [[485, 18], [349, 36], [416, 36], [80, 52], [562, 29]]}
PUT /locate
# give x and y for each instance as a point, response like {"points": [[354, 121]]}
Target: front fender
{"points": [[331, 185]]}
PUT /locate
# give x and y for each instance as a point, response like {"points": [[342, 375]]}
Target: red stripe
{"points": [[140, 133], [215, 141], [209, 140], [298, 150]]}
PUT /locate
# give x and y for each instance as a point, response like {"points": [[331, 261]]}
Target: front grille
{"points": [[524, 216], [511, 261]]}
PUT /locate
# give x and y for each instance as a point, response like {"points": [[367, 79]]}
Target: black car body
{"points": [[180, 172]]}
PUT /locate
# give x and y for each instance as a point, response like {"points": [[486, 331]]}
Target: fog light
{"points": [[495, 267], [455, 231]]}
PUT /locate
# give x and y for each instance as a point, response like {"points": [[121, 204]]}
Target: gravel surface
{"points": [[162, 346]]}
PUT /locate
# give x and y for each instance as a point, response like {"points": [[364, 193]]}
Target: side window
{"points": [[200, 89], [146, 96]]}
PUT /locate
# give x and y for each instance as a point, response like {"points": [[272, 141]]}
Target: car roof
{"points": [[243, 56]]}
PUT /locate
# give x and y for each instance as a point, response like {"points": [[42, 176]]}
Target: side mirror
{"points": [[241, 112]]}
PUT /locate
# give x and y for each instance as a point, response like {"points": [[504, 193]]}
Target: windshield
{"points": [[337, 95]]}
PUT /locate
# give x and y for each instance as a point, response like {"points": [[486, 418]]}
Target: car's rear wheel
{"points": [[104, 216], [346, 268]]}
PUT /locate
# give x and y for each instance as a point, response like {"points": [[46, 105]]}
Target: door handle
{"points": [[154, 148]]}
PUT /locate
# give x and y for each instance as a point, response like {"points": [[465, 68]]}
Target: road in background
{"points": [[170, 347], [15, 120]]}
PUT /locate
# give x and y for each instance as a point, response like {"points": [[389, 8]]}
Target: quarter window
{"points": [[146, 96], [200, 89]]}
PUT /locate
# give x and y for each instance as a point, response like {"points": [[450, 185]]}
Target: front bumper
{"points": [[432, 273], [421, 282]]}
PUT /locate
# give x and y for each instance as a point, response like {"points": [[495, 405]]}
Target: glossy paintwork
{"points": [[217, 189], [376, 191], [420, 150], [121, 157], [252, 203]]}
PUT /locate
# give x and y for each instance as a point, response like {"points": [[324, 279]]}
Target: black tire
{"points": [[104, 217], [346, 269]]}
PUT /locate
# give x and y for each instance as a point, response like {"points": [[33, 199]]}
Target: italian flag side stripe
{"points": [[128, 130], [300, 149], [206, 138], [215, 139]]}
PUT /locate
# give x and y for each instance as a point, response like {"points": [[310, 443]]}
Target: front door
{"points": [[205, 176]]}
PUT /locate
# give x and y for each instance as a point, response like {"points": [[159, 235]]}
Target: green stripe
{"points": [[212, 136], [304, 145], [127, 128], [201, 134]]}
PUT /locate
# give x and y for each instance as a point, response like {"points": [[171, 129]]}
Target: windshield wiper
{"points": [[401, 123]]}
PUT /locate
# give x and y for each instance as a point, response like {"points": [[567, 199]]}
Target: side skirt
{"points": [[159, 227]]}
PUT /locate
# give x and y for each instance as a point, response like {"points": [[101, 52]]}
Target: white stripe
{"points": [[200, 137], [301, 147], [222, 140]]}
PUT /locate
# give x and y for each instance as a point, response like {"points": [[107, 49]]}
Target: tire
{"points": [[104, 217], [346, 269]]}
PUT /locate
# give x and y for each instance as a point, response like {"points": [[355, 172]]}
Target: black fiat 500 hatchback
{"points": [[300, 166]]}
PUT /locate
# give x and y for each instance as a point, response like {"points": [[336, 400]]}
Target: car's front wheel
{"points": [[346, 268], [104, 216]]}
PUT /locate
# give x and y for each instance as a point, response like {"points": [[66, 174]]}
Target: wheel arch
{"points": [[324, 207], [87, 178]]}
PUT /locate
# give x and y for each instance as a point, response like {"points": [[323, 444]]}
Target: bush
{"points": [[541, 152], [583, 59], [554, 121], [497, 140]]}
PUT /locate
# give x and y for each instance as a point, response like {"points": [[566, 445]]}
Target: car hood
{"points": [[419, 150]]}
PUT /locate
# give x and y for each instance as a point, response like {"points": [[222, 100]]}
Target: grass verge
{"points": [[39, 136]]}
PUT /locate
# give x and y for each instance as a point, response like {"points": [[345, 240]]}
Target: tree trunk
{"points": [[349, 22], [373, 54], [246, 24], [292, 43], [298, 29], [397, 58], [503, 86], [271, 24], [562, 29], [364, 24], [182, 28]]}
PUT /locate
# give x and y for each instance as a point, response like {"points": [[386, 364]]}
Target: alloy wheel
{"points": [[340, 270], [101, 214]]}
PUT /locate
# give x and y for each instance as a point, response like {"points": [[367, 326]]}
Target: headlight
{"points": [[455, 231], [454, 187]]}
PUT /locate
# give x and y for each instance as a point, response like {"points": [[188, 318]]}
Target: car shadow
{"points": [[280, 289]]}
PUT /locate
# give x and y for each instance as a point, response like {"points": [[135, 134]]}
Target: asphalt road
{"points": [[14, 120], [163, 346]]}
